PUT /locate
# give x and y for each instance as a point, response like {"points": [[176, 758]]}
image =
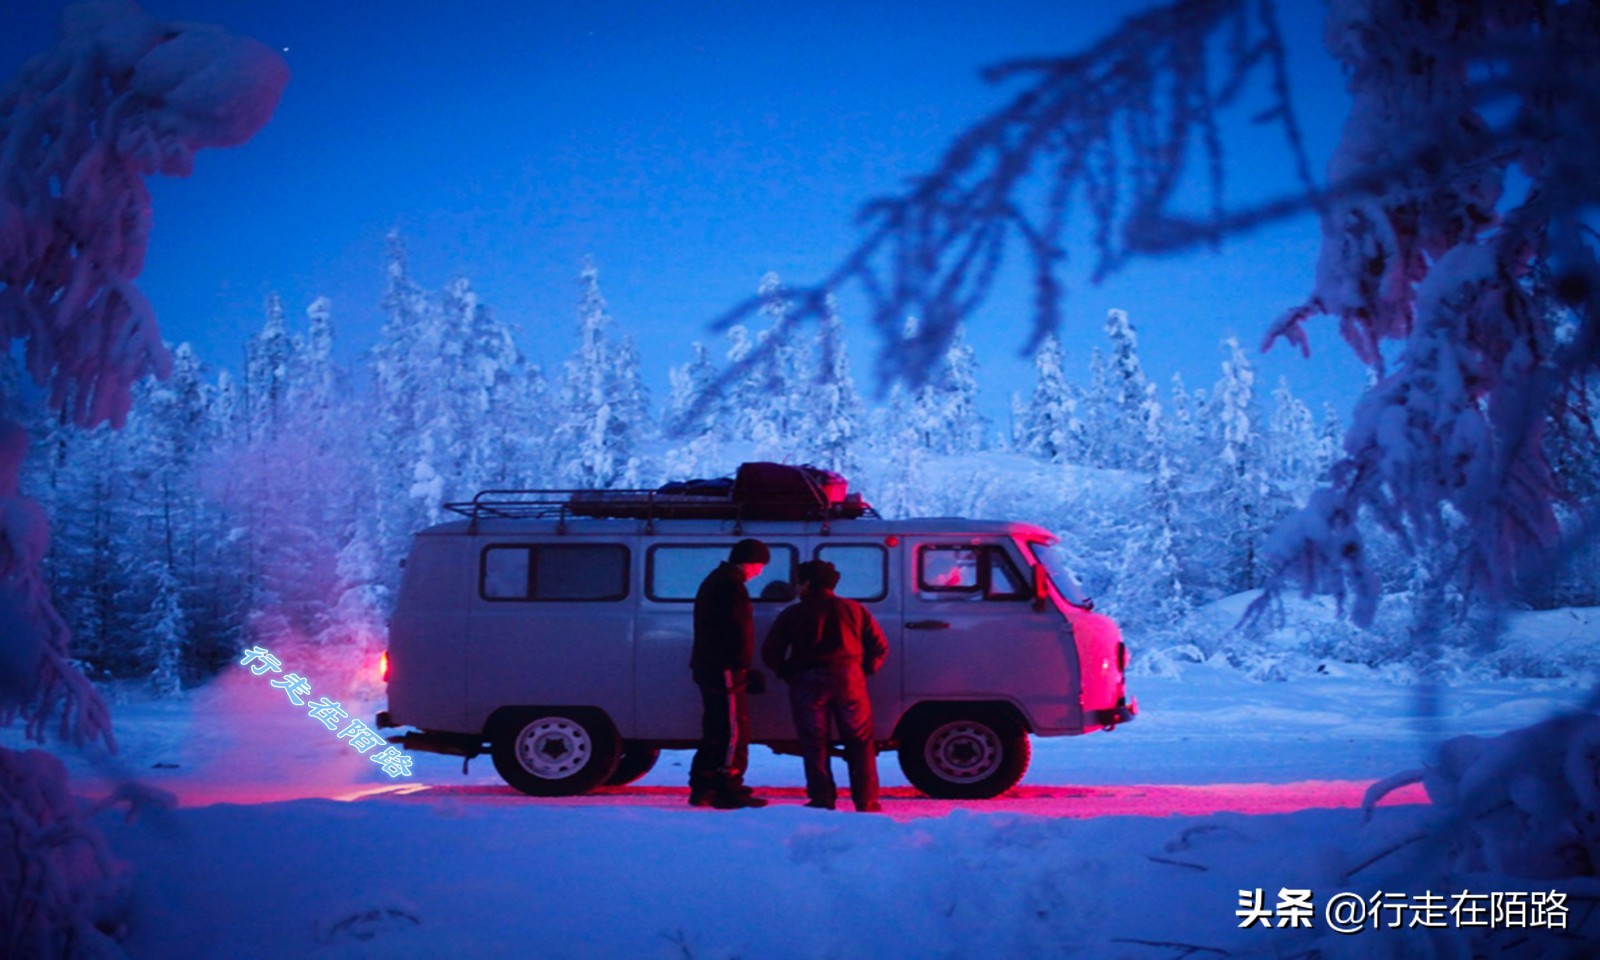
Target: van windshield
{"points": [[1054, 560]]}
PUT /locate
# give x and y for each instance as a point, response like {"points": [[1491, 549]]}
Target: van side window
{"points": [[968, 572], [1004, 581], [505, 573], [863, 569], [566, 571], [673, 572]]}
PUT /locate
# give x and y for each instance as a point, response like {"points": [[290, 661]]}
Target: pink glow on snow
{"points": [[900, 803], [1073, 802]]}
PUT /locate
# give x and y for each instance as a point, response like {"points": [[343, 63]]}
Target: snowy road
{"points": [[1221, 785], [1210, 742], [904, 803]]}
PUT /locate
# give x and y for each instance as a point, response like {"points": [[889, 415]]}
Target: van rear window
{"points": [[674, 572], [565, 571]]}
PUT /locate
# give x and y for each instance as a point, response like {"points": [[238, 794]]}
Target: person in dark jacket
{"points": [[724, 644], [826, 646]]}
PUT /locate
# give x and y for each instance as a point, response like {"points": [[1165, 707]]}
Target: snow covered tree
{"points": [[514, 415], [792, 363], [86, 488], [1050, 429], [1446, 450], [1330, 442], [122, 96], [268, 356], [1292, 447], [945, 408], [1122, 432], [632, 396], [477, 359], [1238, 494], [1016, 424], [1151, 595], [770, 371], [1184, 429], [967, 425], [744, 386], [160, 529], [833, 410], [220, 587], [400, 385], [1095, 412], [901, 491], [317, 381], [455, 407], [694, 405], [275, 470], [165, 631], [598, 440]]}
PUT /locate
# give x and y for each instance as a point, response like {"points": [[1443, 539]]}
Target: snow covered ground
{"points": [[286, 843]]}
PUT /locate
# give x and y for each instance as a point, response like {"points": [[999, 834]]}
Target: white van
{"points": [[554, 634]]}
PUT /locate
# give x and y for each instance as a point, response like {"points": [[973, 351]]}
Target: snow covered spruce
{"points": [[122, 96]]}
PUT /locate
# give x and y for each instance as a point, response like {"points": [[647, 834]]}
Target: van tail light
{"points": [[383, 666]]}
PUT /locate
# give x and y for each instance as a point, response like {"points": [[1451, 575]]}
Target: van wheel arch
{"points": [[637, 759], [964, 750], [553, 751]]}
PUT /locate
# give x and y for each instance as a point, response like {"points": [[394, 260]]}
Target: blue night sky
{"points": [[688, 147]]}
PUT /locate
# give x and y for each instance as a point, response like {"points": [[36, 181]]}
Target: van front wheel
{"points": [[549, 754], [964, 756]]}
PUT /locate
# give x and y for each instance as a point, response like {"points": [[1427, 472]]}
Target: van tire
{"points": [[554, 753], [636, 761], [964, 753]]}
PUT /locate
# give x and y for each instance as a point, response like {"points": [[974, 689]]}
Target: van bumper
{"points": [[426, 741], [1123, 712], [453, 744]]}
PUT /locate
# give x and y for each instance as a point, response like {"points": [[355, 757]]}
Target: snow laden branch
{"points": [[1113, 131], [120, 97], [1455, 246], [1467, 283], [1521, 804]]}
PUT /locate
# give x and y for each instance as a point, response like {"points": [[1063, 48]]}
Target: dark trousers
{"points": [[724, 752], [839, 693]]}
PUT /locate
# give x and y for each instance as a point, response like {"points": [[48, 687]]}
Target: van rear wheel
{"points": [[636, 761], [555, 753], [961, 755]]}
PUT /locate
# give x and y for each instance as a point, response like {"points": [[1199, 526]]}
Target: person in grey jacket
{"points": [[825, 646]]}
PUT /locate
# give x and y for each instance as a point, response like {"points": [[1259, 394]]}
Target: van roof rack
{"points": [[757, 491], [648, 505]]}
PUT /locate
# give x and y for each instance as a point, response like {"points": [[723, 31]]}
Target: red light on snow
{"points": [[383, 666], [891, 541]]}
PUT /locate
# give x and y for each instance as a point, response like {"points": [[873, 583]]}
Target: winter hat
{"points": [[818, 573], [749, 551]]}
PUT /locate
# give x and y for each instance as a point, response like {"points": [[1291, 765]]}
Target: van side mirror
{"points": [[1041, 588]]}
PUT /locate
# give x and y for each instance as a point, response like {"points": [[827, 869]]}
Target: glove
{"points": [[756, 683]]}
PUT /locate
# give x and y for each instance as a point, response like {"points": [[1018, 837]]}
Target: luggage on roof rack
{"points": [[757, 491], [782, 491]]}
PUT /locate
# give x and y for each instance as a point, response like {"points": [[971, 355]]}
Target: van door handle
{"points": [[927, 625]]}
